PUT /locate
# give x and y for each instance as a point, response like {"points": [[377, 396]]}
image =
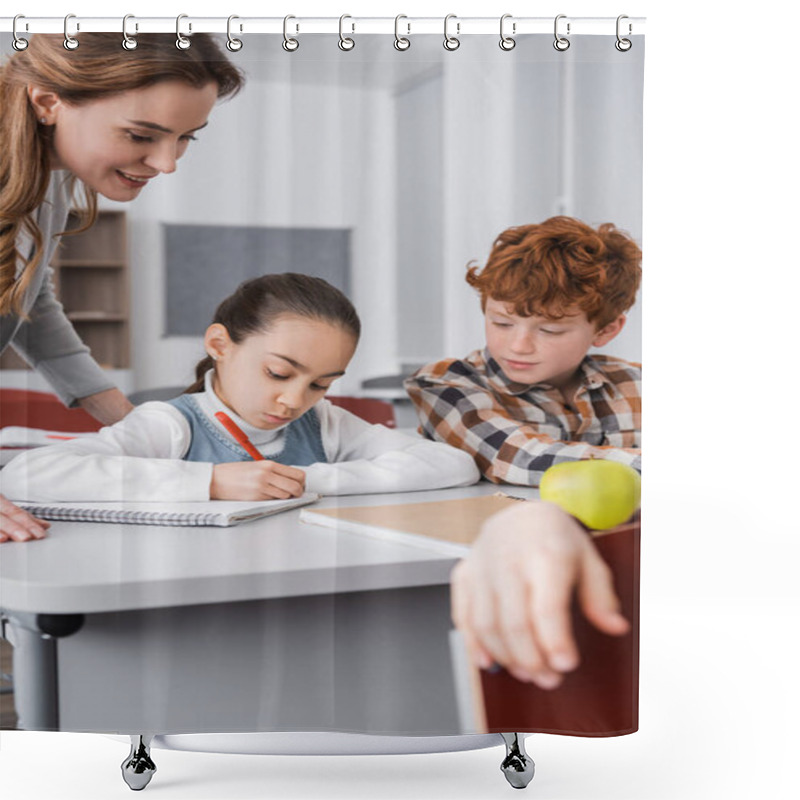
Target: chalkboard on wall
{"points": [[205, 263]]}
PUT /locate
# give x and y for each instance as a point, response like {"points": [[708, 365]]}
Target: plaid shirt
{"points": [[516, 431]]}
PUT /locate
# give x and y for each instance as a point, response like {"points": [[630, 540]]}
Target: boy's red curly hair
{"points": [[551, 268]]}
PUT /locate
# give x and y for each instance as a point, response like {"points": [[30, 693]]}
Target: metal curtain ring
{"points": [[401, 42], [345, 42], [70, 42], [623, 45], [18, 43], [451, 42], [233, 44], [182, 43], [128, 42], [507, 42], [289, 44], [561, 43]]}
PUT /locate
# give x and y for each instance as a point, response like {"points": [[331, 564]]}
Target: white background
{"points": [[719, 696]]}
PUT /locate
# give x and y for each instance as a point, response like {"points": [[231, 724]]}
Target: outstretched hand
{"points": [[511, 595], [18, 525]]}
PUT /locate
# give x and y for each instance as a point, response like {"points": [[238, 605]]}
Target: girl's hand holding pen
{"points": [[256, 480]]}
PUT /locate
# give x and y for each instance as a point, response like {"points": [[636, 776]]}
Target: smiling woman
{"points": [[115, 145], [106, 120]]}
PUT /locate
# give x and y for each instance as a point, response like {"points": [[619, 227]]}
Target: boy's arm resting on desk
{"points": [[365, 459], [505, 449], [138, 459]]}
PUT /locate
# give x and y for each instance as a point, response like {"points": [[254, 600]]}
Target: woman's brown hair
{"points": [[98, 68]]}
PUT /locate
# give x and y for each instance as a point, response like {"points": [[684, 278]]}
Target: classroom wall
{"points": [[519, 142], [420, 218], [608, 158]]}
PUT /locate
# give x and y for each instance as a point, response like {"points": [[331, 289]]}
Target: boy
{"points": [[534, 397]]}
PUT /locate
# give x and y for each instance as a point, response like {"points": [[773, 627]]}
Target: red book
{"points": [[600, 697]]}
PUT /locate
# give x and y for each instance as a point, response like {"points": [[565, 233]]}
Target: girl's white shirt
{"points": [[140, 459]]}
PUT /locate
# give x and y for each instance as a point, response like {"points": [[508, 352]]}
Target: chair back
{"points": [[378, 412], [43, 410], [161, 393]]}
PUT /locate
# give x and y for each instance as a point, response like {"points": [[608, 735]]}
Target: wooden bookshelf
{"points": [[91, 279]]}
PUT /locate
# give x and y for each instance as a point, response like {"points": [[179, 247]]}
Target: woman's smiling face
{"points": [[116, 144]]}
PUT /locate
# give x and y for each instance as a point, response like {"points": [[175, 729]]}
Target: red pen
{"points": [[240, 436]]}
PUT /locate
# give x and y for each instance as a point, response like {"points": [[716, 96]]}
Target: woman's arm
{"points": [[369, 459], [49, 343], [108, 407], [45, 337]]}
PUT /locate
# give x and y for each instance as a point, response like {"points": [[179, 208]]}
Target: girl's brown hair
{"points": [[258, 304], [98, 68], [561, 264]]}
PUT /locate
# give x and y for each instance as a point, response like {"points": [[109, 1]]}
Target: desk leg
{"points": [[517, 766], [138, 768], [35, 675]]}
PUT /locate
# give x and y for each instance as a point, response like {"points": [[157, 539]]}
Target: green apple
{"points": [[601, 494]]}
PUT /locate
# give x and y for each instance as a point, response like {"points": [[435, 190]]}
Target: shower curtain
{"points": [[386, 170]]}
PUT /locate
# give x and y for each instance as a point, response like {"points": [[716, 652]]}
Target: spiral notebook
{"points": [[219, 513]]}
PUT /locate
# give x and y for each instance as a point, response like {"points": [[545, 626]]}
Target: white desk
{"points": [[270, 625]]}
